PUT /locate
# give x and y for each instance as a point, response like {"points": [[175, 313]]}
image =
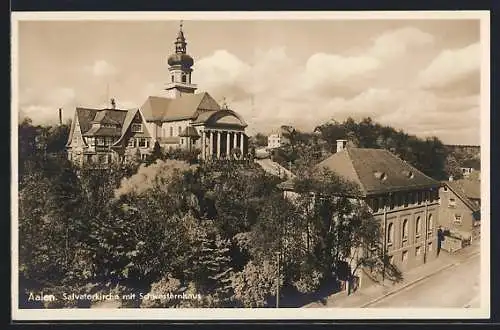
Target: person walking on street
{"points": [[440, 237]]}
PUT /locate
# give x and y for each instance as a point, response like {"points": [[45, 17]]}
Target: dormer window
{"points": [[408, 174], [136, 128], [381, 176]]}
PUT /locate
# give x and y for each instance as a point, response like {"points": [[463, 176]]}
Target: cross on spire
{"points": [[180, 25]]}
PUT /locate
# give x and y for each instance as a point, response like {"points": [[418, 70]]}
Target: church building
{"points": [[178, 117]]}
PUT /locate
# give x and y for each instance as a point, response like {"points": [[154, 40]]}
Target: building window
{"points": [[452, 203], [458, 219], [172, 76], [390, 234], [143, 156], [393, 201], [445, 189], [375, 205], [136, 128], [184, 78], [171, 131], [143, 143], [418, 250], [405, 230], [430, 223], [179, 130], [404, 256], [100, 141], [131, 143], [418, 227]]}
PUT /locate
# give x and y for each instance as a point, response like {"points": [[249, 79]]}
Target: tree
{"points": [[256, 284], [259, 140]]}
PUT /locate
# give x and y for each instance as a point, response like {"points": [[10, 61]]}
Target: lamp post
{"points": [[278, 280]]}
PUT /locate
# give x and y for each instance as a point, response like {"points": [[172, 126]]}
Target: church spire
{"points": [[180, 68], [180, 42]]}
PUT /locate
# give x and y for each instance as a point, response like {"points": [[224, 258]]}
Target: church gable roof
{"points": [[188, 106], [376, 170]]}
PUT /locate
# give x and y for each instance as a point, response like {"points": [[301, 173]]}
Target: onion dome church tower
{"points": [[180, 70]]}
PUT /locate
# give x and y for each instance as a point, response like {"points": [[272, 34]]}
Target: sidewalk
{"points": [[365, 297]]}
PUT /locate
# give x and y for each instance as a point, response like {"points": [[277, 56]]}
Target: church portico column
{"points": [[241, 143], [235, 139], [218, 143], [228, 143], [211, 148]]}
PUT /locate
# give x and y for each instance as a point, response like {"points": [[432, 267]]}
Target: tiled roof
{"points": [[86, 117], [189, 131], [376, 170], [188, 106], [466, 190]]}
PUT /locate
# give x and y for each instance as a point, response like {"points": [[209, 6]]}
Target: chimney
{"points": [[341, 144], [60, 116]]}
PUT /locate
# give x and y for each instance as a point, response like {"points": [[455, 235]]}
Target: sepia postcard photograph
{"points": [[237, 165]]}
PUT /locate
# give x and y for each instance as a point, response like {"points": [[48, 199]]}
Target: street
{"points": [[454, 287]]}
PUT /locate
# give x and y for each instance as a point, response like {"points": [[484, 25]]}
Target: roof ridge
{"points": [[462, 195], [347, 150]]}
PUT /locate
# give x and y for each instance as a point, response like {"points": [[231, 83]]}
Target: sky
{"points": [[421, 76]]}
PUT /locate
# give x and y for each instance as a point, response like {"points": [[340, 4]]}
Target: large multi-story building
{"points": [[103, 136], [403, 199], [180, 118]]}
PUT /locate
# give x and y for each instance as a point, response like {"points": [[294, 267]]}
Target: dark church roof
{"points": [[189, 106]]}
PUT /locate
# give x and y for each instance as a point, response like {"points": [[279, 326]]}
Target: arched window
{"points": [[390, 233], [405, 229], [418, 227], [375, 205]]}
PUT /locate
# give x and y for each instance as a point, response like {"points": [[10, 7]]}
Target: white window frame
{"points": [[457, 219], [136, 128], [140, 143]]}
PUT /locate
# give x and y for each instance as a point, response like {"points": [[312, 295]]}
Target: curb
{"points": [[417, 281]]}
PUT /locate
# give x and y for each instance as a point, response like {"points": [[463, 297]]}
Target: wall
{"points": [[448, 212]]}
